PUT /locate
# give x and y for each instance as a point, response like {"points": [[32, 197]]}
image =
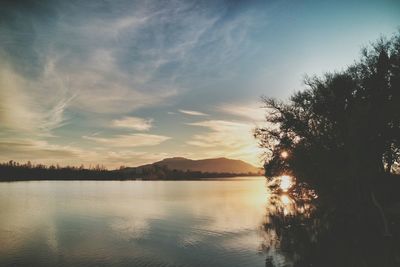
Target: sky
{"points": [[131, 82]]}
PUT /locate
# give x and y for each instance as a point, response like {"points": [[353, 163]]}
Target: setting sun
{"points": [[284, 154]]}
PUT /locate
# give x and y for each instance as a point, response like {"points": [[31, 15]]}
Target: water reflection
{"points": [[135, 223], [289, 198], [286, 182], [179, 223], [289, 209], [301, 229]]}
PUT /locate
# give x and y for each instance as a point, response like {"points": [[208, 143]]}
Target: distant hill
{"points": [[216, 165], [167, 169]]}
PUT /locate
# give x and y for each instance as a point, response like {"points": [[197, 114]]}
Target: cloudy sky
{"points": [[130, 82]]}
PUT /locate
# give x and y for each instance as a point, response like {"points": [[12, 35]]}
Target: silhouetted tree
{"points": [[343, 126], [342, 136]]}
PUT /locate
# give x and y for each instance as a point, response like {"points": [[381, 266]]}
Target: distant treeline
{"points": [[14, 171]]}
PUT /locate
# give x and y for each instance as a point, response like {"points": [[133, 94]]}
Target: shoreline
{"points": [[235, 177]]}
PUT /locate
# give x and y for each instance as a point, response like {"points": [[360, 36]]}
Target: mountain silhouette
{"points": [[217, 165]]}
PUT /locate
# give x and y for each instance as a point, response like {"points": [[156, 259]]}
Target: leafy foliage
{"points": [[343, 124], [341, 137]]}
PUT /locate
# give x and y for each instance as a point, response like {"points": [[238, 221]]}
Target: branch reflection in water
{"points": [[304, 229], [289, 221]]}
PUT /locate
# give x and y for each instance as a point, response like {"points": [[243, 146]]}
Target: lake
{"points": [[133, 223]]}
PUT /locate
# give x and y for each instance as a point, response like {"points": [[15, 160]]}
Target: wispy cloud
{"points": [[24, 107], [229, 138], [67, 75], [192, 112], [39, 151], [251, 111], [131, 140], [55, 118], [28, 149], [135, 123], [223, 133]]}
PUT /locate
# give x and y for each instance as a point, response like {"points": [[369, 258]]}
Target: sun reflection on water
{"points": [[285, 200], [289, 197], [286, 182], [291, 207]]}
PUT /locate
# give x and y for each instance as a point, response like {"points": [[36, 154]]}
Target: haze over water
{"points": [[133, 223]]}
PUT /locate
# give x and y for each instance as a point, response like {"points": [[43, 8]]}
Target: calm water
{"points": [[133, 223]]}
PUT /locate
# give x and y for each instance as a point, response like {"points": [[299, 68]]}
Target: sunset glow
{"points": [[199, 133], [286, 182], [284, 154], [133, 82]]}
